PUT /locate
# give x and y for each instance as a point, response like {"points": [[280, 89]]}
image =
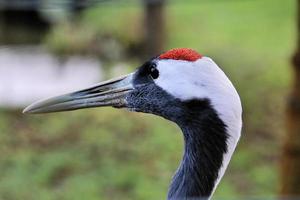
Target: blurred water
{"points": [[29, 73]]}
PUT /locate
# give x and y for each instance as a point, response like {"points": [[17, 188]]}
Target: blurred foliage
{"points": [[108, 31], [113, 154], [86, 155]]}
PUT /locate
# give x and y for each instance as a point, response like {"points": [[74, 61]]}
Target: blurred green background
{"points": [[114, 154]]}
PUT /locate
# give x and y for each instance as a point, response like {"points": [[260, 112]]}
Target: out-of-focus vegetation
{"points": [[108, 31], [113, 154]]}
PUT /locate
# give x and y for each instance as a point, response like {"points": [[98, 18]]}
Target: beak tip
{"points": [[29, 110], [26, 110]]}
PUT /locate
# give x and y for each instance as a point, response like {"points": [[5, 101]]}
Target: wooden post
{"points": [[154, 38], [77, 6], [290, 162]]}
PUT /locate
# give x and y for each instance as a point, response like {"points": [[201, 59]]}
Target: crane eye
{"points": [[154, 73]]}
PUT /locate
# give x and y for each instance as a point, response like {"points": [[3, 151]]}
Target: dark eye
{"points": [[153, 71]]}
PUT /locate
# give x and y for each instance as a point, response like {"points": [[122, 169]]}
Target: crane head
{"points": [[164, 85]]}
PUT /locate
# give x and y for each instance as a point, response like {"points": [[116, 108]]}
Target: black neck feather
{"points": [[205, 144]]}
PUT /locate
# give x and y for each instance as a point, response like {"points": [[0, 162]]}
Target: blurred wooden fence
{"points": [[154, 38], [290, 162]]}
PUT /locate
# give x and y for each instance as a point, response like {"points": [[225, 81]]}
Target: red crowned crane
{"points": [[186, 88]]}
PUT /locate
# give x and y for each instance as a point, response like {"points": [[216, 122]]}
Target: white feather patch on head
{"points": [[203, 79]]}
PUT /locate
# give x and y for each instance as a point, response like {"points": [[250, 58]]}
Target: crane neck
{"points": [[205, 144]]}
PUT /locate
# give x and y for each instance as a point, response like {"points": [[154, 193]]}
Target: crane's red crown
{"points": [[181, 54]]}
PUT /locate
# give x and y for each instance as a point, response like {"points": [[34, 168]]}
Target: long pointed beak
{"points": [[108, 93]]}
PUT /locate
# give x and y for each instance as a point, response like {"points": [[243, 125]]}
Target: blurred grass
{"points": [[112, 154], [86, 154]]}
